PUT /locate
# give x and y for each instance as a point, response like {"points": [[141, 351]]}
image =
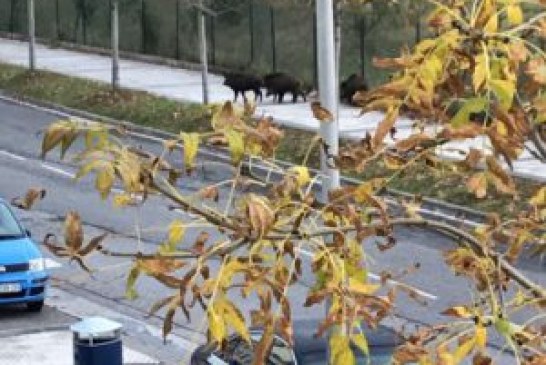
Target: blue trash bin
{"points": [[97, 341]]}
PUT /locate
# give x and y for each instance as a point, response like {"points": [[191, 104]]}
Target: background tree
{"points": [[480, 77]]}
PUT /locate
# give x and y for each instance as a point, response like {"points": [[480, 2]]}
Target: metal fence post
{"points": [[115, 44], [251, 28], [57, 20], [273, 38], [315, 55], [31, 35], [212, 22], [362, 31], [143, 25], [177, 29], [203, 48], [12, 17], [84, 21]]}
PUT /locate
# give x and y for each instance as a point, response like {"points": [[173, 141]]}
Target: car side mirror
{"points": [[27, 231]]}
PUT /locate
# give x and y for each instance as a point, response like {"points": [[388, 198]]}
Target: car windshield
{"points": [[9, 228]]}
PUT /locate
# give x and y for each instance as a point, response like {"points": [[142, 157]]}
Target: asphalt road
{"points": [[21, 167]]}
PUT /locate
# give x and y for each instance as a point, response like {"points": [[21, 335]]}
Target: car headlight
{"points": [[36, 265]]}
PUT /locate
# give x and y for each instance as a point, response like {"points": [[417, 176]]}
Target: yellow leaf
{"points": [[458, 312], [479, 75], [123, 200], [302, 175], [360, 341], [176, 233], [501, 128], [105, 181], [191, 145], [464, 350], [55, 134], [539, 199], [358, 287], [233, 317], [340, 351], [514, 14], [481, 336], [236, 145], [217, 327], [445, 358], [492, 24]]}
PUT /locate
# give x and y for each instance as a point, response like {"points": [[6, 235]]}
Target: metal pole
{"points": [[57, 20], [177, 29], [203, 48], [84, 21], [115, 44], [212, 32], [362, 28], [31, 36], [327, 80], [251, 29], [273, 38], [143, 25], [315, 53]]}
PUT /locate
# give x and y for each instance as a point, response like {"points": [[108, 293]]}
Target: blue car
{"points": [[23, 277]]}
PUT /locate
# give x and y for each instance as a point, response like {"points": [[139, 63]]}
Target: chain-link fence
{"points": [[244, 34]]}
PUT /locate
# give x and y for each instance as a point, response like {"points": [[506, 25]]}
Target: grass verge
{"points": [[153, 111]]}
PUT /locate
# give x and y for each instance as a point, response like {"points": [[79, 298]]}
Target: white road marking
{"points": [[12, 155], [391, 282], [58, 171], [52, 264]]}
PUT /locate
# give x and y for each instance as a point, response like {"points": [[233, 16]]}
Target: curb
{"points": [[431, 208], [30, 331]]}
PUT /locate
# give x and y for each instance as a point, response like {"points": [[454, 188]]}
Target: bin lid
{"points": [[95, 326]]}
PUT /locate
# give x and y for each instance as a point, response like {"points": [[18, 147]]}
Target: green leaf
{"points": [[504, 90], [130, 291], [474, 105]]}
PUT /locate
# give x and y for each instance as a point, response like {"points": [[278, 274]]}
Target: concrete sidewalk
{"points": [[52, 348], [185, 85]]}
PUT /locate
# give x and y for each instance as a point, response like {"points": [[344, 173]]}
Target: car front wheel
{"points": [[35, 306]]}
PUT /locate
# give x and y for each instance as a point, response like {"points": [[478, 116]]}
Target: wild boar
{"points": [[241, 83]]}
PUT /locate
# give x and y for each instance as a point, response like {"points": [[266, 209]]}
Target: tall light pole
{"points": [[327, 85], [115, 44], [31, 36]]}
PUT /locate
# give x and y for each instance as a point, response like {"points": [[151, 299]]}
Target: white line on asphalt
{"points": [[436, 213], [52, 264], [58, 170], [391, 282], [14, 156]]}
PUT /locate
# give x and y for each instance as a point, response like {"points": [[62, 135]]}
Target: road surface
{"points": [[21, 131]]}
